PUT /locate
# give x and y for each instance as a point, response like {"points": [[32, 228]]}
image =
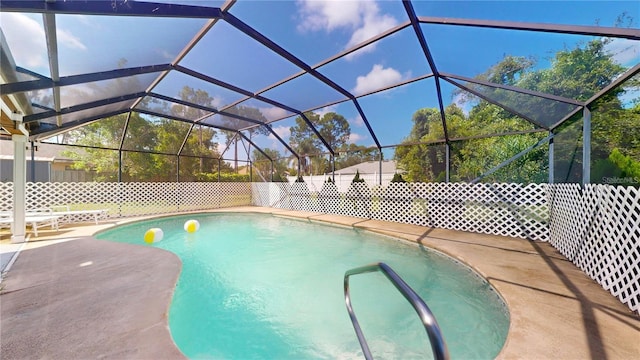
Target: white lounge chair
{"points": [[34, 220], [64, 212]]}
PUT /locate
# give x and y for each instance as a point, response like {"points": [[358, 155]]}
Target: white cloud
{"points": [[462, 103], [362, 18], [25, 34], [355, 137], [373, 25], [282, 131], [378, 78], [325, 110], [87, 20], [273, 113], [624, 51], [166, 55], [358, 121], [69, 40], [328, 15], [27, 40], [221, 147], [218, 101]]}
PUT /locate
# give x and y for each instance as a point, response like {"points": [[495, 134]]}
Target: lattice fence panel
{"points": [[330, 199], [567, 220], [357, 201], [592, 217], [395, 203], [129, 199], [234, 194], [284, 197], [621, 273], [75, 196], [501, 209], [195, 196], [533, 211], [271, 194], [261, 193], [149, 198], [300, 197], [598, 229], [6, 196]]}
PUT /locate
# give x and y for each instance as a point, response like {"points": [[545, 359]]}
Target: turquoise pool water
{"points": [[256, 286]]}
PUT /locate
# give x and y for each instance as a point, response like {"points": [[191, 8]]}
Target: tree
{"points": [[202, 144], [417, 154], [352, 154], [231, 122], [106, 133], [577, 73], [151, 144], [333, 128], [138, 164], [263, 165]]}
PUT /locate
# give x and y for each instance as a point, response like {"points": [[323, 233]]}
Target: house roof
{"points": [[44, 151]]}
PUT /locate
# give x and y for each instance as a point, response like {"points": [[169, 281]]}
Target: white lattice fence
{"points": [[598, 229], [6, 196], [234, 194], [129, 199], [149, 198], [198, 196], [502, 209]]}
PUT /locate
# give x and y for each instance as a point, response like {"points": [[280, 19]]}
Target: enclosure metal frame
{"points": [[150, 9]]}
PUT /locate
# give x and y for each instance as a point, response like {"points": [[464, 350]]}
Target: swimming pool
{"points": [[257, 286]]}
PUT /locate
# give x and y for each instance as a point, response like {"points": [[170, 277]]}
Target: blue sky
{"points": [[314, 31]]}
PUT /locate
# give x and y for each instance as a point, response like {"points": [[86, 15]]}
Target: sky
{"points": [[313, 31]]}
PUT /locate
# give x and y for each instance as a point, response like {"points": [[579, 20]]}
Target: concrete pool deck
{"points": [[69, 296]]}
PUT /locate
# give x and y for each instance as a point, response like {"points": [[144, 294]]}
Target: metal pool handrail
{"points": [[438, 345]]}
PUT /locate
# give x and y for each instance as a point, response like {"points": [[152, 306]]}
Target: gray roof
{"points": [[44, 151]]}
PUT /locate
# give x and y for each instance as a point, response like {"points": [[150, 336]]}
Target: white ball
{"points": [[153, 235], [191, 226]]}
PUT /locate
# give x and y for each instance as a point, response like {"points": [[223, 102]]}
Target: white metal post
{"points": [[447, 156], [551, 160], [586, 146], [18, 227]]}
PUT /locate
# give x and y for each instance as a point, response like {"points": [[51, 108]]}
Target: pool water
{"points": [[257, 286]]}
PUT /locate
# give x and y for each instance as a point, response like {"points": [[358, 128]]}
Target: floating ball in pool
{"points": [[153, 235], [191, 226]]}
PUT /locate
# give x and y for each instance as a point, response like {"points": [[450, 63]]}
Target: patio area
{"points": [[556, 310]]}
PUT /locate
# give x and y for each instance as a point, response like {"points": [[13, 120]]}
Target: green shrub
{"points": [[224, 177], [278, 178], [357, 179], [397, 177]]}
